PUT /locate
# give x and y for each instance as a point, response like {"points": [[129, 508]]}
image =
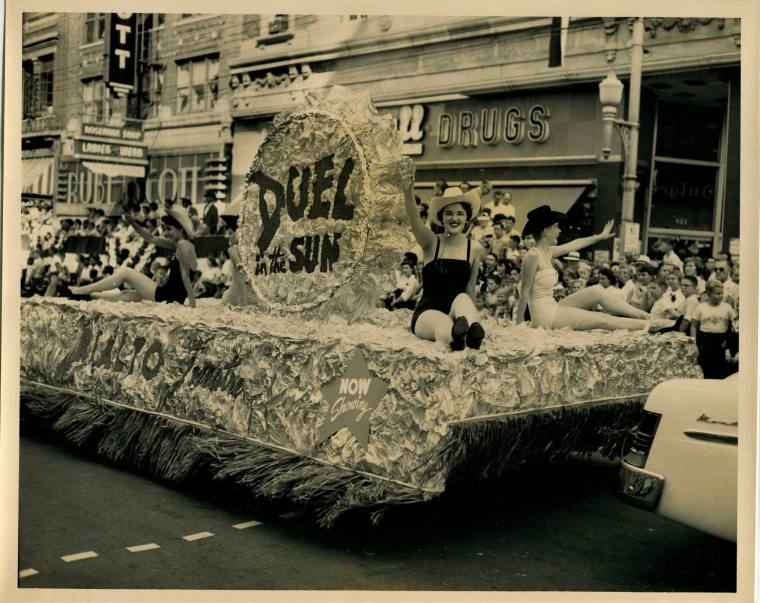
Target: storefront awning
{"points": [[115, 169], [38, 176], [560, 198]]}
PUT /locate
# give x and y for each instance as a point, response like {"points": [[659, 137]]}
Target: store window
{"points": [[38, 86], [197, 84], [686, 168], [94, 27], [95, 101]]}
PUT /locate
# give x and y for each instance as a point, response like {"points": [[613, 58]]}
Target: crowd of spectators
{"points": [[676, 281], [54, 259]]}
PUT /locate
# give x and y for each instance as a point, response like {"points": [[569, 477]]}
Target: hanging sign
{"points": [[121, 52]]}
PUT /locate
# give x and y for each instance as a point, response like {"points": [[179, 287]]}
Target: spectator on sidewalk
{"points": [[710, 325]]}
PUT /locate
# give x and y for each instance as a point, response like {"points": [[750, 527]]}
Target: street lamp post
{"points": [[610, 95]]}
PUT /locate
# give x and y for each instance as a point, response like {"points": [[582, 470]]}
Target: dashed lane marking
{"points": [[139, 548], [27, 572], [198, 536], [79, 556], [247, 524]]}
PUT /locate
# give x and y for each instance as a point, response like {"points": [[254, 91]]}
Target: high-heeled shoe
{"points": [[458, 333], [475, 335]]}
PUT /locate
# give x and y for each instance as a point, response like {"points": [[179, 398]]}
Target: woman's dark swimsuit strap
{"points": [[442, 281]]}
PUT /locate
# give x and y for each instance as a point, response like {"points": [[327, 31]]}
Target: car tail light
{"points": [[640, 441]]}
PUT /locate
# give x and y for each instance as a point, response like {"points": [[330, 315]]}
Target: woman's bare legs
{"points": [[579, 319], [463, 306], [434, 326], [129, 295], [141, 283], [588, 298]]}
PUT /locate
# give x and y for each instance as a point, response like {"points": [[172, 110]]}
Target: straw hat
{"points": [[453, 195], [175, 217]]}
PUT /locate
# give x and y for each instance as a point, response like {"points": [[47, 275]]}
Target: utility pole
{"points": [[630, 182]]}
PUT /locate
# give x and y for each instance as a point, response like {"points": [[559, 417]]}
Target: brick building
{"points": [[475, 99]]}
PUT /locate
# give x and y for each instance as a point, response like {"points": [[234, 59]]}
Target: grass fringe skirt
{"points": [[475, 451]]}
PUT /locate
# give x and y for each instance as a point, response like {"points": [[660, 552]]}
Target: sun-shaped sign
{"points": [[304, 222]]}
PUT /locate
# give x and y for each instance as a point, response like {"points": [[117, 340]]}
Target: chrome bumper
{"points": [[638, 487]]}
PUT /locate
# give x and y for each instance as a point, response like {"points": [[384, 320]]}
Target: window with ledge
{"points": [[197, 84], [38, 86], [144, 101], [94, 27], [96, 105], [278, 24]]}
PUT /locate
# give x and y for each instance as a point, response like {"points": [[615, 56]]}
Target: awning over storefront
{"points": [[560, 198], [115, 169], [38, 176]]}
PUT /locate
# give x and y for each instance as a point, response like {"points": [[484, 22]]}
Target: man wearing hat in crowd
{"points": [[446, 313]]}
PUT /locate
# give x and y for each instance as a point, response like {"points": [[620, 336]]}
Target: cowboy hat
{"points": [[539, 218], [452, 195], [178, 218]]}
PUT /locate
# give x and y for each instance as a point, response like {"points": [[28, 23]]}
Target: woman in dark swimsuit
{"points": [[446, 313], [178, 230]]}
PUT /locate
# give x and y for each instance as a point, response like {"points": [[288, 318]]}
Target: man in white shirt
{"points": [[501, 204], [730, 288], [670, 256]]}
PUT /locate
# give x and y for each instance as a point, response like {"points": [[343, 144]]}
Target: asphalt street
{"points": [[560, 528]]}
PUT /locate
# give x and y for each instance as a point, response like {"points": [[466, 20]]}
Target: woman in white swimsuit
{"points": [[538, 279]]}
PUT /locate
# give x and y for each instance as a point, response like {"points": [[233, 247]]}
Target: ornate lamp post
{"points": [[610, 95]]}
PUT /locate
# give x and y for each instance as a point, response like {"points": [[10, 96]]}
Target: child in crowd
{"points": [[656, 292], [710, 324], [405, 285], [689, 287]]}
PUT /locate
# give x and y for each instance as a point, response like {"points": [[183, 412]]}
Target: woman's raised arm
{"points": [[148, 235], [578, 244], [422, 233]]}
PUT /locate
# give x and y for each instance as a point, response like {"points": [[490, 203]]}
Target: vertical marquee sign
{"points": [[121, 52]]}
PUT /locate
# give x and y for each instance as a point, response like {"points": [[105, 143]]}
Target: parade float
{"points": [[311, 393]]}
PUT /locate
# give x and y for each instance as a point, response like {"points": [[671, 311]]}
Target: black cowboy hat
{"points": [[541, 217]]}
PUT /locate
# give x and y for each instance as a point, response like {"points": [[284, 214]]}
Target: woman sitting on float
{"points": [[574, 311], [446, 312], [178, 232]]}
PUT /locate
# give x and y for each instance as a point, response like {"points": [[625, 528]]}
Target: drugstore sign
{"points": [[509, 126]]}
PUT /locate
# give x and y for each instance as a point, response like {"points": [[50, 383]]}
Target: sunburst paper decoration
{"points": [[314, 195]]}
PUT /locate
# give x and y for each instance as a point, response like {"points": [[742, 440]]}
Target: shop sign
{"points": [[171, 178], [491, 126], [515, 126], [86, 188], [117, 133], [121, 51], [410, 123], [112, 150]]}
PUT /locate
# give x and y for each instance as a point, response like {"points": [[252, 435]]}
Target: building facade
{"points": [[475, 99]]}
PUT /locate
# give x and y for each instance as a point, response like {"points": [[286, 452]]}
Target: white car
{"points": [[681, 460]]}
